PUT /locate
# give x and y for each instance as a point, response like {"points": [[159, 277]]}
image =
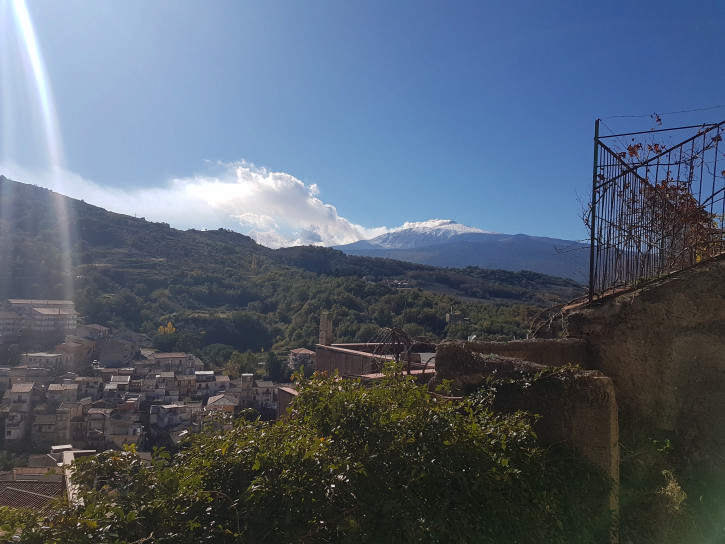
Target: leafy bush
{"points": [[350, 463]]}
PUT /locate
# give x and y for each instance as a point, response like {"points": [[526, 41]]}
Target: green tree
{"points": [[275, 367], [187, 342], [216, 355], [13, 354], [241, 363], [350, 463], [164, 342], [126, 307]]}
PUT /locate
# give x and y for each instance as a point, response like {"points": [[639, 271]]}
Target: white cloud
{"points": [[274, 208]]}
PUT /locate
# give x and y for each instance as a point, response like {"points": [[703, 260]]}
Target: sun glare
{"points": [[22, 58]]}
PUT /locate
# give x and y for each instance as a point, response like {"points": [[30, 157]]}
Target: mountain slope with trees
{"points": [[221, 287]]}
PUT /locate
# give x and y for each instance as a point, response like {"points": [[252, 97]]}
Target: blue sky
{"points": [[327, 121]]}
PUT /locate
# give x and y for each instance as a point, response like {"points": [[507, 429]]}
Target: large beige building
{"points": [[44, 315]]}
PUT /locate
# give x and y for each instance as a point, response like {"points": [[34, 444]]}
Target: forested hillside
{"points": [[220, 287]]}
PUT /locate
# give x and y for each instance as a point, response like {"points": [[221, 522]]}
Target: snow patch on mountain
{"points": [[439, 225], [424, 233]]}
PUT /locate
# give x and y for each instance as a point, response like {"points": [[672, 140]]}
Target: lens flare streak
{"points": [[33, 68]]}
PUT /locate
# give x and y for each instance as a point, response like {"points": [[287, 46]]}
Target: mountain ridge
{"points": [[447, 244]]}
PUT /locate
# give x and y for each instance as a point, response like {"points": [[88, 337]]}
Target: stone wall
{"points": [[663, 346], [578, 407], [658, 352], [550, 352]]}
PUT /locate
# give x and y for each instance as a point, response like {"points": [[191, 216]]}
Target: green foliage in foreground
{"points": [[351, 463]]}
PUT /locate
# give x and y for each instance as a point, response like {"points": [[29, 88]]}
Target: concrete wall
{"points": [[346, 362], [285, 396]]}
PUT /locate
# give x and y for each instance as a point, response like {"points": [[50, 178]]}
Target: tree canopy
{"points": [[351, 463]]}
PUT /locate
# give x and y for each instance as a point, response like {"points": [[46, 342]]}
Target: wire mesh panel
{"points": [[655, 208]]}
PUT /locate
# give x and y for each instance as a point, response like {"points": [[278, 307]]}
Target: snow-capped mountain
{"points": [[426, 233], [442, 242]]}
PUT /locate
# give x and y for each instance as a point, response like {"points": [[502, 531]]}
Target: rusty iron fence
{"points": [[656, 208]]}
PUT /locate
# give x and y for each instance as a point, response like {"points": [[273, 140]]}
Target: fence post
{"points": [[593, 211]]}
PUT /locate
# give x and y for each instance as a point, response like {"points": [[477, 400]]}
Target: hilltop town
{"points": [[99, 391]]}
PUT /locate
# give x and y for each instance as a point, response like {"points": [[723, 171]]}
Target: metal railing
{"points": [[655, 208]]}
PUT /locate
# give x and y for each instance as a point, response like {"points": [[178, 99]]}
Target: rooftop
{"points": [[40, 302], [29, 494], [169, 355], [22, 387], [302, 351], [55, 311]]}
